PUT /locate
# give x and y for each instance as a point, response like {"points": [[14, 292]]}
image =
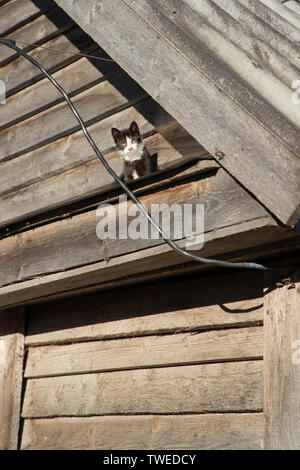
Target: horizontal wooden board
{"points": [[199, 303], [133, 353], [11, 375], [228, 386], [38, 31], [16, 13], [20, 73], [254, 240], [93, 105], [78, 243], [73, 78], [73, 150], [89, 179], [239, 431]]}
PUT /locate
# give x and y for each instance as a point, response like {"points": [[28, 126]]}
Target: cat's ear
{"points": [[134, 128], [115, 133]]}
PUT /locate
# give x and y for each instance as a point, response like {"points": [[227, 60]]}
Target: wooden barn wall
{"points": [[168, 365], [45, 159]]}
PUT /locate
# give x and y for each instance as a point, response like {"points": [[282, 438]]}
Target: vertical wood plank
{"points": [[282, 365], [11, 371]]}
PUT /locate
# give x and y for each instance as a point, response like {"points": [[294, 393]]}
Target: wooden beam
{"points": [[282, 363], [11, 374], [72, 241], [253, 238], [221, 116]]}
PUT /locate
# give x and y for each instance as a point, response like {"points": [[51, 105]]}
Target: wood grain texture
{"points": [[252, 148], [133, 353], [20, 73], [11, 373], [16, 13], [196, 304], [232, 386], [228, 431], [282, 371], [76, 77], [38, 31]]}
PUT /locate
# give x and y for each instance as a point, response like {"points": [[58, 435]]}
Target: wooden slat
{"points": [[248, 139], [282, 371], [283, 23], [240, 431], [133, 353], [40, 30], [73, 78], [254, 239], [200, 303], [20, 73], [93, 105], [78, 234], [11, 372], [16, 13], [235, 386], [73, 150], [91, 178]]}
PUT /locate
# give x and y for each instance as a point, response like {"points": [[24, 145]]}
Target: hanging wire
{"points": [[225, 264], [81, 54]]}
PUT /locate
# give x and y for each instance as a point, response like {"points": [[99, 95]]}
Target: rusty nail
{"points": [[220, 154]]}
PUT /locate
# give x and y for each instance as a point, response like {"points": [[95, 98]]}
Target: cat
{"points": [[136, 158]]}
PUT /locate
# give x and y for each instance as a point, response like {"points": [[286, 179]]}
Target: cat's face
{"points": [[127, 140]]}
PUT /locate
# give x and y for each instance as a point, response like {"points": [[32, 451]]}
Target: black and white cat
{"points": [[136, 158]]}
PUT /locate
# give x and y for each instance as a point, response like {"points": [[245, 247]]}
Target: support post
{"points": [[11, 373], [282, 364]]}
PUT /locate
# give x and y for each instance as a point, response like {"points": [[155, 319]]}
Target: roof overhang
{"points": [[225, 71]]}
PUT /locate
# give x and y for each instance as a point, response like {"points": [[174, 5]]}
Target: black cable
{"points": [[225, 264]]}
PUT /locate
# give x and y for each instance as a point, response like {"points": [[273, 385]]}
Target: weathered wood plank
{"points": [[11, 373], [73, 150], [280, 23], [232, 386], [93, 105], [16, 13], [90, 179], [38, 97], [133, 353], [38, 31], [282, 371], [20, 73], [254, 239], [196, 304], [216, 120], [240, 431], [78, 234]]}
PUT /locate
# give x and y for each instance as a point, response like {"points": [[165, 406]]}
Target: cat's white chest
{"points": [[134, 154]]}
